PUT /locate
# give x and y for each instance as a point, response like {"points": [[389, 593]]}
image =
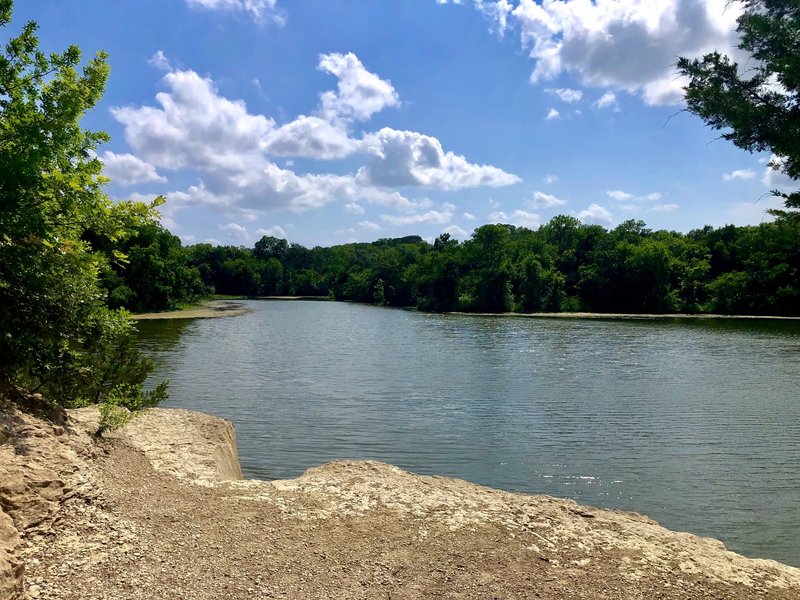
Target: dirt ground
{"points": [[145, 515]]}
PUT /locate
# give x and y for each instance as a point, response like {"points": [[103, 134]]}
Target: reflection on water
{"points": [[694, 422]]}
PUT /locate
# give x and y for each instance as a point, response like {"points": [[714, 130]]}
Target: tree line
{"points": [[564, 265]]}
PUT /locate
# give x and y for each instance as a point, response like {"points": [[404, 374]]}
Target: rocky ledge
{"points": [[159, 510]]}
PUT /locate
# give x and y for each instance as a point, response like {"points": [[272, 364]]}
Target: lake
{"points": [[694, 422]]}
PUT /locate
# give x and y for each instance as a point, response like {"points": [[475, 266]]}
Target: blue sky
{"points": [[329, 121]]}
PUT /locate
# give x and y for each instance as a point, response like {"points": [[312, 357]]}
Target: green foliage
{"points": [[58, 230], [563, 266], [154, 275], [124, 401], [759, 105]]}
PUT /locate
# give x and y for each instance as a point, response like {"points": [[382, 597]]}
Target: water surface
{"points": [[695, 423]]}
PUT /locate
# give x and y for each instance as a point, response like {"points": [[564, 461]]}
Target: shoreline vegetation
{"points": [[564, 266]]}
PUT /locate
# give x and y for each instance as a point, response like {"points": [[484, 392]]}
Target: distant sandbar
{"points": [[208, 310]]}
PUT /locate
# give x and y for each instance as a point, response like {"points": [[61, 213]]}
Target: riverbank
{"points": [[627, 316], [206, 310], [159, 510]]}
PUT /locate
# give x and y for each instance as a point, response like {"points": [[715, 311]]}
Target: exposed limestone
{"points": [[157, 511]]}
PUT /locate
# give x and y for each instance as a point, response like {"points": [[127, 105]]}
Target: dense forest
{"points": [[562, 266]]}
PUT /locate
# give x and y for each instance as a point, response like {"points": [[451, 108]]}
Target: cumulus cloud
{"points": [[276, 231], [235, 230], [552, 114], [310, 137], [192, 127], [664, 207], [259, 10], [739, 174], [567, 95], [360, 94], [498, 216], [369, 225], [126, 169], [542, 200], [455, 231], [775, 178], [550, 179], [160, 61], [621, 196], [432, 216], [468, 216], [408, 158], [523, 218], [354, 208], [596, 214], [607, 100], [195, 126], [625, 44]]}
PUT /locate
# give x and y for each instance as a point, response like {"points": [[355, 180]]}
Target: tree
{"points": [[760, 106], [56, 334]]}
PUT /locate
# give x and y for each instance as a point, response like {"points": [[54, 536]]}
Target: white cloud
{"points": [[552, 114], [360, 94], [407, 158], [498, 217], [468, 216], [213, 241], [526, 219], [259, 10], [455, 231], [566, 94], [498, 11], [276, 231], [607, 100], [195, 126], [596, 214], [126, 169], [160, 61], [432, 216], [234, 229], [187, 239], [542, 200], [775, 178], [621, 196], [194, 129], [369, 225], [310, 137], [354, 208], [664, 207], [550, 179], [739, 174], [626, 44]]}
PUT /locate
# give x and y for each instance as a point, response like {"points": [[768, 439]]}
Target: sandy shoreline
{"points": [[209, 310], [232, 308]]}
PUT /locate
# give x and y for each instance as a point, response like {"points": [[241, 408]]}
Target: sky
{"points": [[333, 121]]}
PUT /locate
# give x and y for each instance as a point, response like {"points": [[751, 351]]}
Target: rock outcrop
{"points": [[159, 510]]}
